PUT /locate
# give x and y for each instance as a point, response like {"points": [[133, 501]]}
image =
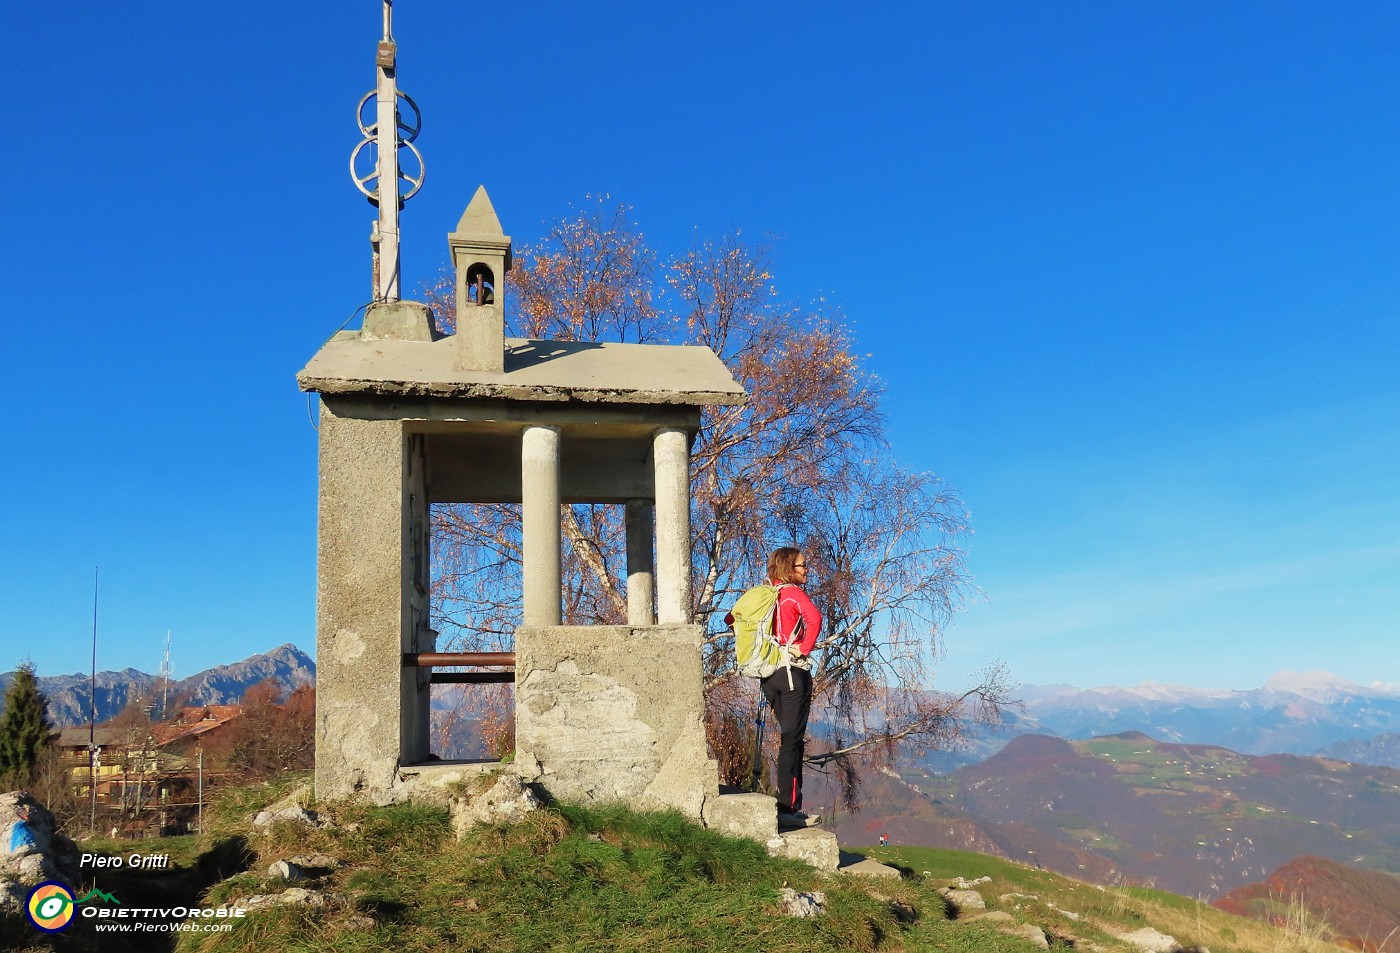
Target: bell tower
{"points": [[481, 258]]}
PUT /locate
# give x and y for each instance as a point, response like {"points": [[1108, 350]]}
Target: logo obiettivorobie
{"points": [[50, 906]]}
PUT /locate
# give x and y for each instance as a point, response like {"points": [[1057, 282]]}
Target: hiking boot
{"points": [[795, 820]]}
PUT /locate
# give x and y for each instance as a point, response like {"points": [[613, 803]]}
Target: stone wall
{"points": [[614, 714]]}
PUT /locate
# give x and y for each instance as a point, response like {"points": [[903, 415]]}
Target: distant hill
{"points": [[69, 696], [1382, 750], [1361, 906], [1198, 820]]}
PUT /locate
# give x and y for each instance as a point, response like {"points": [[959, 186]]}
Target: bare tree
{"points": [[803, 462], [271, 735]]}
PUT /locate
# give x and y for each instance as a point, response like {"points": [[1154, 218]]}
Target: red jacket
{"points": [[792, 605]]}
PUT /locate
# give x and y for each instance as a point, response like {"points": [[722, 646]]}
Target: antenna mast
{"points": [[165, 680], [388, 134], [92, 710]]}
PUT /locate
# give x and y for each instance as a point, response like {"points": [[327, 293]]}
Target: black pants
{"points": [[791, 706]]}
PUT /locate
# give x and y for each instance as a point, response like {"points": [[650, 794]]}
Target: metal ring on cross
{"points": [[370, 130], [362, 181]]}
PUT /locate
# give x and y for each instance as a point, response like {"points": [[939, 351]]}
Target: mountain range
{"points": [[70, 696], [1293, 713]]}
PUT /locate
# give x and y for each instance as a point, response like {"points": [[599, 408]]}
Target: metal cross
{"points": [[388, 134]]}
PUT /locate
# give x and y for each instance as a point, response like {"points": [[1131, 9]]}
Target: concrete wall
{"points": [[614, 713], [360, 606]]}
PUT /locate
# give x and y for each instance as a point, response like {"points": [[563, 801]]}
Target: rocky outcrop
{"points": [[291, 897], [505, 801], [1151, 941], [967, 904]]}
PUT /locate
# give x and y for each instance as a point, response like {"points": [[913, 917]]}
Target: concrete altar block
{"points": [[614, 713]]}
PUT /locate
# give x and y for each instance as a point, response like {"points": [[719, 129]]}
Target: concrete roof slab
{"points": [[534, 370]]}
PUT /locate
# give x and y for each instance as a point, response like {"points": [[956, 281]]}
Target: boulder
{"points": [[1029, 932], [31, 848], [962, 900], [803, 905], [299, 816], [992, 916], [288, 871], [1150, 941]]}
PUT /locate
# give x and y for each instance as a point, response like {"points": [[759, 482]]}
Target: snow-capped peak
{"points": [[1321, 687]]}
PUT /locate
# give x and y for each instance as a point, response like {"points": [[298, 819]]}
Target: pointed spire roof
{"points": [[480, 216]]}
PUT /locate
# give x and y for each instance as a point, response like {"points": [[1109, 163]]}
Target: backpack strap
{"points": [[797, 629]]}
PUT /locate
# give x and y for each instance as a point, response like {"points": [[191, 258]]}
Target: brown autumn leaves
{"points": [[803, 463]]}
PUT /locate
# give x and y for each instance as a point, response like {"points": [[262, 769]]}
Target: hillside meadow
{"points": [[580, 880]]}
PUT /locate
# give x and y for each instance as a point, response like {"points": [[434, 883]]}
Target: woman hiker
{"points": [[789, 689]]}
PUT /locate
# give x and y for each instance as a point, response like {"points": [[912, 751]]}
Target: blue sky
{"points": [[1130, 274]]}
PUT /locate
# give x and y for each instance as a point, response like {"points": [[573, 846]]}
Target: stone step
{"points": [[755, 816], [857, 866], [740, 814], [811, 844]]}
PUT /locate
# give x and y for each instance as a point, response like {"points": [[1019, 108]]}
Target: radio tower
{"points": [[387, 134]]}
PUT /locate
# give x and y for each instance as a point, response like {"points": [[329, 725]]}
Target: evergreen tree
{"points": [[25, 732]]}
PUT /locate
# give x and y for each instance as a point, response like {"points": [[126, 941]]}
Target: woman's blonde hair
{"points": [[781, 563]]}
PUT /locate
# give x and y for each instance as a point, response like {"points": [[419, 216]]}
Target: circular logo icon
{"points": [[50, 906]]}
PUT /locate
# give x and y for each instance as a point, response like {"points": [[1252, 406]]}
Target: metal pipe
{"points": [[473, 678], [442, 659]]}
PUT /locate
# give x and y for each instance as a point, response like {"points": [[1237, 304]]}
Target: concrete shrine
{"points": [[410, 418]]}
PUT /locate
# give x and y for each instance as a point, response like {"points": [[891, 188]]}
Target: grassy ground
{"points": [[1104, 909], [610, 880]]}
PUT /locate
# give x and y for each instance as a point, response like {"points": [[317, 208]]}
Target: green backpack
{"points": [[757, 652]]}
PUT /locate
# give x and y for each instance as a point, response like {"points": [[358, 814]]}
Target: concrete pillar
{"points": [[640, 564], [671, 451], [359, 606], [540, 530], [415, 684]]}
